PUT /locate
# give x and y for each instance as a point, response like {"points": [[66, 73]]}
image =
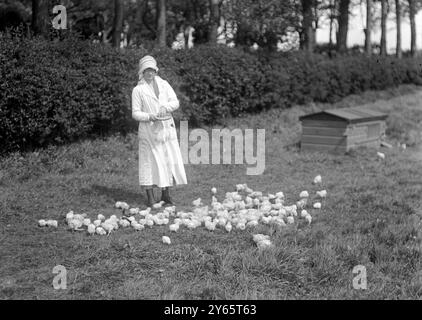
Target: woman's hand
{"points": [[152, 117], [163, 112]]}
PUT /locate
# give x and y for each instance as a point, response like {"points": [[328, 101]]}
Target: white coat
{"points": [[160, 159]]}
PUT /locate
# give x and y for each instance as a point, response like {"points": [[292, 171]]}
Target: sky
{"points": [[357, 22]]}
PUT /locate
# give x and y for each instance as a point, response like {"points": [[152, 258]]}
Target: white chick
{"points": [[69, 215], [158, 205], [303, 213], [290, 220], [91, 228], [100, 231], [308, 218], [124, 223], [122, 205], [317, 205], [209, 225], [197, 202], [42, 223], [79, 217], [222, 222], [237, 197], [403, 146], [381, 155], [166, 240], [304, 194], [277, 206], [191, 225], [214, 190], [174, 227], [266, 220], [241, 226], [134, 210], [240, 187], [260, 237], [52, 223], [279, 195], [264, 244], [322, 193], [101, 217], [252, 223], [279, 222], [317, 179], [107, 227], [271, 196], [138, 227], [75, 224], [228, 227], [131, 219], [274, 212], [86, 222], [149, 222], [301, 203], [97, 222], [145, 212]]}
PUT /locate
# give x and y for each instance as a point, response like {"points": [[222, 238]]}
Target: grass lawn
{"points": [[371, 217]]}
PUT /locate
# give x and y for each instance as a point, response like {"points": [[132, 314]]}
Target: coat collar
{"points": [[147, 90]]}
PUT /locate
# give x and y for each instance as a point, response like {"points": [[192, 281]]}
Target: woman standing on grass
{"points": [[160, 159]]}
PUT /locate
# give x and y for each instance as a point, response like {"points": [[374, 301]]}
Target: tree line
{"points": [[266, 23]]}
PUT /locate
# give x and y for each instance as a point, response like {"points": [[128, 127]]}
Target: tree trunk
{"points": [[161, 23], [214, 21], [383, 28], [332, 16], [40, 18], [307, 37], [368, 30], [412, 27], [398, 24], [117, 23], [343, 26]]}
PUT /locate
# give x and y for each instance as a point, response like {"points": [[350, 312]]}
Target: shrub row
{"points": [[59, 91]]}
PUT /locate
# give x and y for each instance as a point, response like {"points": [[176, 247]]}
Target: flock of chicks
{"points": [[241, 209]]}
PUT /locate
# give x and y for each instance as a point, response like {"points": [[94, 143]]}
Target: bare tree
{"points": [[161, 23], [368, 30], [383, 27], [343, 25], [117, 23], [307, 37], [40, 17], [398, 24], [214, 21]]}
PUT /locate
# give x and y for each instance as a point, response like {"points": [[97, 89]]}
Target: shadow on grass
{"points": [[117, 194]]}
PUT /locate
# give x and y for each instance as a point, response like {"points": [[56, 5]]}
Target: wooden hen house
{"points": [[339, 130]]}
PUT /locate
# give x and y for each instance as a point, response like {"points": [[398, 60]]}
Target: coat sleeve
{"points": [[172, 103], [137, 112]]}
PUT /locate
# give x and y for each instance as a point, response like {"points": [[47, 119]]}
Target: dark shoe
{"points": [[150, 198], [165, 196]]}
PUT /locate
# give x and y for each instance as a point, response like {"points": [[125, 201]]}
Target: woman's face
{"points": [[149, 74]]}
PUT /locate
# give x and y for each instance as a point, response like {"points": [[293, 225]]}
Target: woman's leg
{"points": [[150, 195], [165, 195]]}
